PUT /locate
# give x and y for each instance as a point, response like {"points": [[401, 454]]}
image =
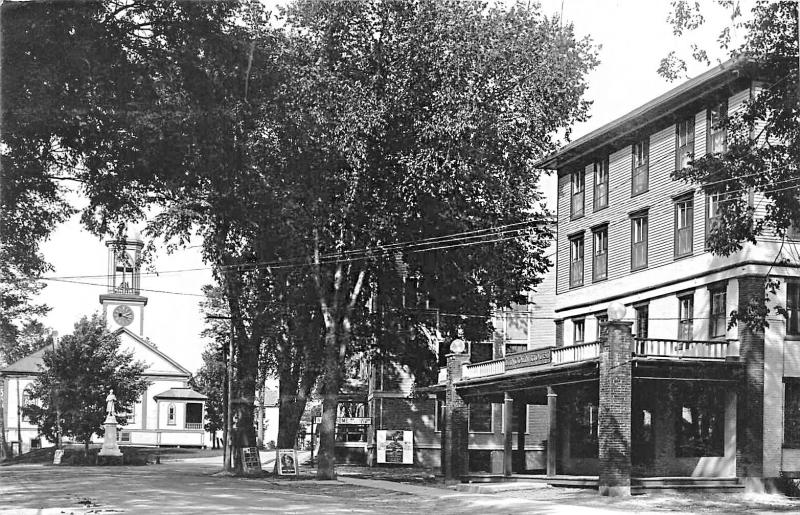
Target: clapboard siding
{"points": [[658, 200]]}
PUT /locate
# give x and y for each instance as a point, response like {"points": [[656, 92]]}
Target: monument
{"points": [[110, 447]]}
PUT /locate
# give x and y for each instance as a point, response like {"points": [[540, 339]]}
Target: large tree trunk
{"points": [[291, 405], [330, 398]]}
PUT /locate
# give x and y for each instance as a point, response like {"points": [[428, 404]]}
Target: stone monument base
{"points": [[110, 447]]}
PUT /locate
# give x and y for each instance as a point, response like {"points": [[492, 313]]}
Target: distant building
{"points": [[169, 412]]}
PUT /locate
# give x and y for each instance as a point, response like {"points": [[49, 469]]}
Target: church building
{"points": [[169, 413]]}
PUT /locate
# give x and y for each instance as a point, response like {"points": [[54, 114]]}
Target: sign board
{"points": [[395, 446], [531, 358], [251, 460], [348, 421], [286, 462], [57, 456]]}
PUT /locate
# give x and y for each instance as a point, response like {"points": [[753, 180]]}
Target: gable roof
{"points": [[184, 393], [30, 364], [152, 348]]}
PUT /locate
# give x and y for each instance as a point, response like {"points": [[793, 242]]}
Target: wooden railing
{"points": [[484, 368], [698, 349], [194, 425], [573, 353]]}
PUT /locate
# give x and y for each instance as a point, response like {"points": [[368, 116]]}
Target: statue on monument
{"points": [[110, 403]]}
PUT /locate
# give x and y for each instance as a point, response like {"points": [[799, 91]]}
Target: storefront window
{"points": [[791, 416], [701, 421]]}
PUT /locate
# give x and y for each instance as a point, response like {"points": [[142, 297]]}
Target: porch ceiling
{"points": [[698, 370], [520, 384]]}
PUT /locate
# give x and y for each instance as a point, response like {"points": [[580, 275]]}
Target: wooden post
{"points": [[552, 432], [508, 441]]}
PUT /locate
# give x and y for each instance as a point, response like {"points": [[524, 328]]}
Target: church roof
{"points": [[185, 393], [154, 349], [30, 364]]}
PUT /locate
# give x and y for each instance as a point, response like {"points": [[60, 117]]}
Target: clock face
{"points": [[123, 315]]}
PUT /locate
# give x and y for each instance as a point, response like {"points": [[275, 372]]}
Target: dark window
{"points": [[791, 415], [713, 217], [516, 420], [194, 415], [719, 322], [600, 184], [685, 317], [576, 261], [171, 414], [639, 242], [36, 443], [684, 135], [125, 436], [480, 417], [600, 254], [716, 139], [701, 421], [793, 308], [577, 193], [684, 216], [601, 319], [642, 316], [578, 331], [640, 168]]}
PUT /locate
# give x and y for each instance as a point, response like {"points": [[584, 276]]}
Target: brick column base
{"points": [[455, 436]]}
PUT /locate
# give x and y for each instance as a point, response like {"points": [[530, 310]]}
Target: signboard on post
{"points": [[395, 446], [348, 421], [251, 460], [286, 462], [57, 456]]}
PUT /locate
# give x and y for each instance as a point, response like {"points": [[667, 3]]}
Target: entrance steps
{"points": [[683, 484]]}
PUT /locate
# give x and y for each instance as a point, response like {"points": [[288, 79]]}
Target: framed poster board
{"points": [[251, 460], [286, 462], [395, 446]]}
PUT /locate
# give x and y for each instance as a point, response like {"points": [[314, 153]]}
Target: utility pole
{"points": [[54, 395], [227, 431]]}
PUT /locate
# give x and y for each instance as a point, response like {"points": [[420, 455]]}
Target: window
{"points": [[684, 214], [516, 420], [600, 254], [718, 325], [480, 417], [171, 414], [576, 261], [641, 157], [642, 316], [578, 331], [600, 184], [194, 414], [125, 437], [639, 242], [713, 217], [515, 335], [601, 319], [793, 308], [715, 139], [684, 145], [577, 194], [685, 317], [791, 415], [36, 443], [701, 421]]}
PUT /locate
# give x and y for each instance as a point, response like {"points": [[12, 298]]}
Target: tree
{"points": [[77, 377], [763, 146], [210, 381]]}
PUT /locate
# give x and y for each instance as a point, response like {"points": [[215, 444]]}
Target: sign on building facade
{"points": [[395, 446]]}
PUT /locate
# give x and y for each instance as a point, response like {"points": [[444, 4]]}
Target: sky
{"points": [[633, 35]]}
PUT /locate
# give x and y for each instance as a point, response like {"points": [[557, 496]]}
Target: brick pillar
{"points": [[750, 409], [552, 431], [508, 441], [614, 419], [455, 442]]}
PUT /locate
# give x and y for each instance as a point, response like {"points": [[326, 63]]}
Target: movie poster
{"points": [[395, 446]]}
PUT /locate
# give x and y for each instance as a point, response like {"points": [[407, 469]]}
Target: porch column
{"points": [[552, 431], [508, 441], [455, 438], [522, 415], [614, 419]]}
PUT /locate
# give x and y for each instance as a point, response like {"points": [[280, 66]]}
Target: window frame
{"points": [[601, 187], [684, 141], [721, 108], [600, 318], [640, 166], [716, 317], [686, 323], [578, 323], [793, 308], [491, 418], [577, 190], [639, 309], [791, 413], [602, 233], [712, 203], [684, 212], [576, 243], [172, 414], [643, 243]]}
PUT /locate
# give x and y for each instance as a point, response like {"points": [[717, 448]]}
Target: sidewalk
{"points": [[424, 491]]}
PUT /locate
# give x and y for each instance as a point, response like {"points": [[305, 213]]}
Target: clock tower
{"points": [[123, 306]]}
